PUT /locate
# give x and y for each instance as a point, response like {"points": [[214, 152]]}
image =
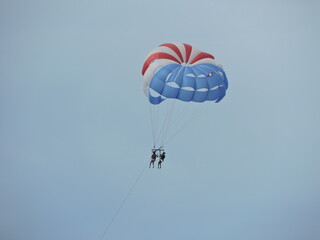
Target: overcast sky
{"points": [[75, 125]]}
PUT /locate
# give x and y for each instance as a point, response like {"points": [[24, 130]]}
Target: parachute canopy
{"points": [[181, 71]]}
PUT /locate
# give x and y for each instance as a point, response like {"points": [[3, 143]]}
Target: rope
{"points": [[170, 113], [152, 125], [122, 203], [193, 112], [176, 122]]}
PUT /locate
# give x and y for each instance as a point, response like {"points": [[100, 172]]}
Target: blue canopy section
{"points": [[198, 83]]}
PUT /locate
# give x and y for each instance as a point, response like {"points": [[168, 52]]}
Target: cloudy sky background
{"points": [[75, 126]]}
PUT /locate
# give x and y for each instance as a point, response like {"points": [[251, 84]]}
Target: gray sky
{"points": [[75, 127]]}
